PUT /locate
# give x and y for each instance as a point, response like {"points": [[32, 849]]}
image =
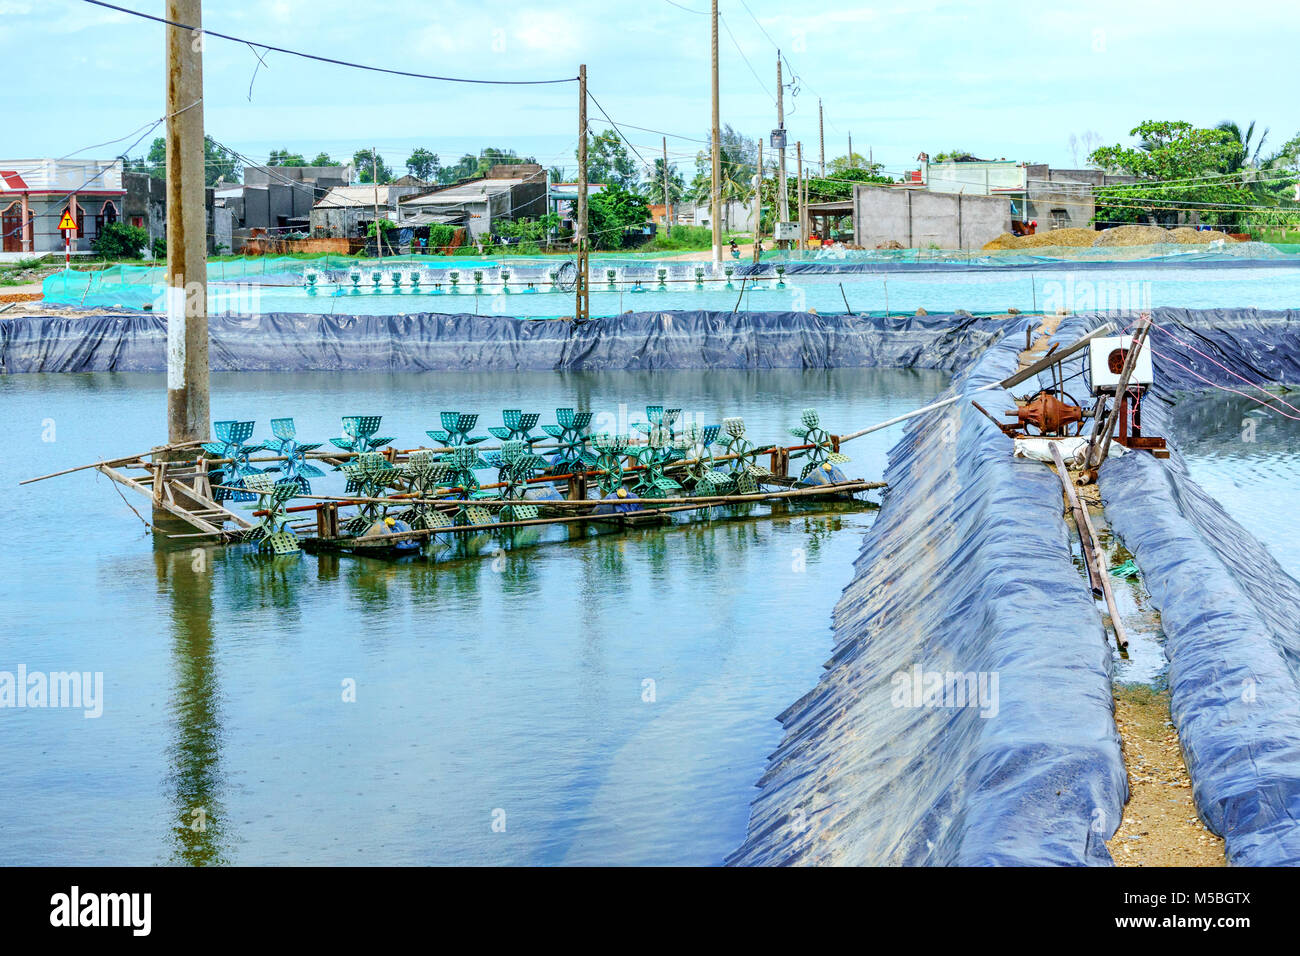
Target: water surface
{"points": [[609, 699]]}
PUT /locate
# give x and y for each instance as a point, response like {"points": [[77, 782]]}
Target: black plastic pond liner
{"points": [[1230, 613], [966, 570], [1192, 346], [297, 342], [767, 270]]}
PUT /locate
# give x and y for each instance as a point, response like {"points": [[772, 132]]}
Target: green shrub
{"points": [[159, 248], [120, 241]]}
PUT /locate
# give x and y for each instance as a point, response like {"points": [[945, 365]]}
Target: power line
{"points": [[326, 59]]}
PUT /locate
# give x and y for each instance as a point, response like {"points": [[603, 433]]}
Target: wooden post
{"points": [[821, 139], [1092, 556], [187, 298], [798, 195], [758, 205], [374, 175], [582, 305], [1099, 446], [715, 197], [782, 190], [668, 202]]}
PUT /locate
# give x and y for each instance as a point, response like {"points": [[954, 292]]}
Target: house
{"points": [[145, 207], [35, 193], [563, 201], [276, 200], [347, 211], [508, 191]]}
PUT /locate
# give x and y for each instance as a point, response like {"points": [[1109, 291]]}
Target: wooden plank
{"points": [[167, 506], [1088, 540]]}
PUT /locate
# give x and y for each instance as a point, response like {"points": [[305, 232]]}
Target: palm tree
{"points": [[1244, 156]]}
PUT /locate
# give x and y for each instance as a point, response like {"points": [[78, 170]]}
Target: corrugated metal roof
{"points": [[63, 175], [466, 192]]}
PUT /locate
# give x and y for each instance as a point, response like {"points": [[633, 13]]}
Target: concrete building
{"points": [[508, 191], [277, 200], [348, 211], [145, 207], [918, 218], [34, 194], [1065, 198]]}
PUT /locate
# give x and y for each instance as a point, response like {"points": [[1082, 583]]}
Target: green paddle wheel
{"points": [[272, 532], [232, 445], [518, 426], [462, 462], [369, 475], [611, 450], [455, 431], [516, 464], [821, 456], [424, 475], [359, 434], [702, 473], [295, 467], [659, 450], [746, 473], [663, 422], [572, 435]]}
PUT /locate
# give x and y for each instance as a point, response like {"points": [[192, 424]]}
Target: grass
{"points": [[688, 239], [1278, 234]]}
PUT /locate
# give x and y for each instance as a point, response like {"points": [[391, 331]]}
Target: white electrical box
{"points": [[786, 232], [1107, 362]]}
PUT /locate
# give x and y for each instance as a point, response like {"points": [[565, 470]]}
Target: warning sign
{"points": [[66, 222]]}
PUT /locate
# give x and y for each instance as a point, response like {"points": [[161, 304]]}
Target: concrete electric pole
{"points": [[187, 229], [715, 212]]}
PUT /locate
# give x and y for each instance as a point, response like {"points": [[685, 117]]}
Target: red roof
{"points": [[12, 179]]}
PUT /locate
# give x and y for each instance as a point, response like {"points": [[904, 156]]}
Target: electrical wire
{"points": [[326, 59]]}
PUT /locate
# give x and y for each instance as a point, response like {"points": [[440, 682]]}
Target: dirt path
{"points": [[1160, 826]]}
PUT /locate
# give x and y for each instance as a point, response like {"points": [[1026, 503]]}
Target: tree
{"points": [[839, 184], [654, 184], [955, 156], [464, 168], [1178, 167], [218, 164], [842, 164], [364, 161], [557, 174], [736, 160], [323, 159], [1242, 156], [120, 241], [492, 156], [282, 157], [611, 212], [423, 164], [608, 161]]}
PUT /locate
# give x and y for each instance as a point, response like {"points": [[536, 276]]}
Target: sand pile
{"points": [[1132, 236], [1118, 236]]}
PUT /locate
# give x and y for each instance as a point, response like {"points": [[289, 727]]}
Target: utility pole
{"points": [[374, 174], [758, 205], [668, 202], [850, 147], [821, 138], [716, 196], [187, 259], [782, 191], [800, 199], [582, 306]]}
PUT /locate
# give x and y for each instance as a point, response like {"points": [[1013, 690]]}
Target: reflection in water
{"points": [[199, 825], [500, 674], [1248, 459]]}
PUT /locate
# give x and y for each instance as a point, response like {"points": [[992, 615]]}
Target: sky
{"points": [[998, 79]]}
